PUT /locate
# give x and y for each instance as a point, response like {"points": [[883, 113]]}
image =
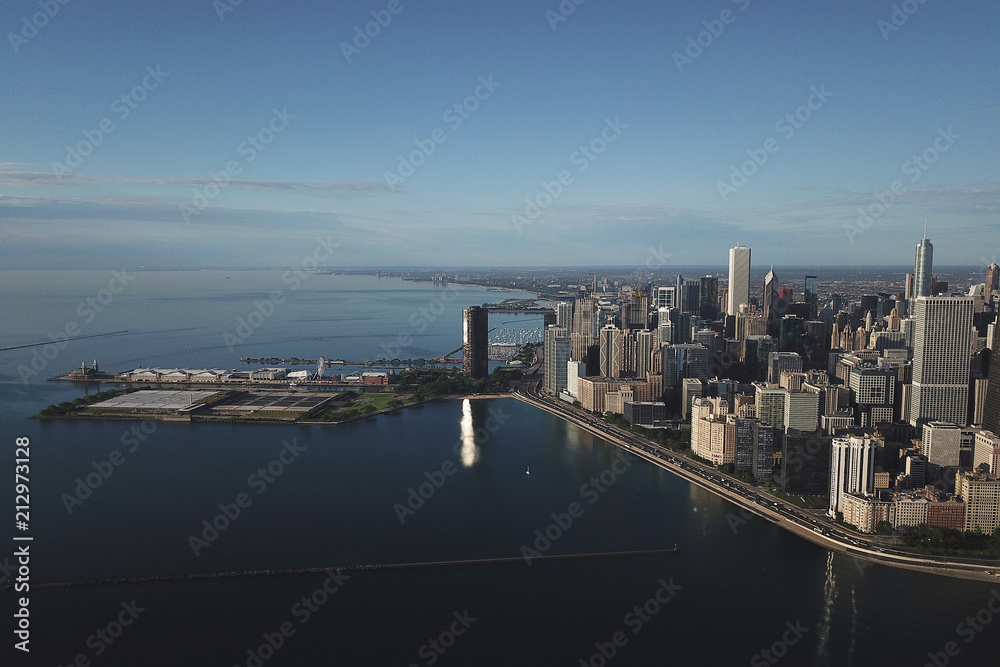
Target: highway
{"points": [[819, 530]]}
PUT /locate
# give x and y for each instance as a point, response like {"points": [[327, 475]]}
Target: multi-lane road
{"points": [[817, 529]]}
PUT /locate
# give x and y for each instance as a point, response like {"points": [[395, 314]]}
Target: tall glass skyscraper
{"points": [[811, 295], [922, 269]]}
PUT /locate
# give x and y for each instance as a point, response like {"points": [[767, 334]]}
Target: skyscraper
{"points": [[771, 316], [644, 343], [709, 295], [992, 282], [852, 469], [739, 279], [666, 297], [611, 351], [475, 342], [923, 266], [564, 314], [942, 355], [991, 413], [810, 295], [557, 353]]}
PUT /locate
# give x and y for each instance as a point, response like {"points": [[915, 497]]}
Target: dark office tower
{"points": [[991, 414], [756, 354], [475, 342], [691, 297], [805, 462], [771, 311], [790, 332], [922, 276], [762, 451], [635, 311], [992, 282], [709, 289], [811, 295]]}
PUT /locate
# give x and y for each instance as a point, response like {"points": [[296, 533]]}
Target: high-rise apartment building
{"points": [[665, 297], [475, 342], [558, 348], [981, 493], [852, 470], [564, 314]]}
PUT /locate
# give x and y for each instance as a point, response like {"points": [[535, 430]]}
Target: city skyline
{"points": [[155, 151]]}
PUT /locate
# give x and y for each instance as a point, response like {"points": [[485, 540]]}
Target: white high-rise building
{"points": [[666, 297], [852, 470], [739, 279], [942, 355], [564, 315]]}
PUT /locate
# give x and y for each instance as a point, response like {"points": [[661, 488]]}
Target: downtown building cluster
{"points": [[888, 404]]}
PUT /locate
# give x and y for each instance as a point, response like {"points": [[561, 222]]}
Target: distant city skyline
{"points": [[509, 135]]}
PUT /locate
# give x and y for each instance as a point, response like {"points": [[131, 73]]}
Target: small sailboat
{"points": [[528, 471]]}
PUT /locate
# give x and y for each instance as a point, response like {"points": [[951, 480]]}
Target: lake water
{"points": [[736, 586]]}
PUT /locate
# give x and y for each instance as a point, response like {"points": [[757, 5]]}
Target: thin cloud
{"points": [[12, 178], [336, 189], [39, 179]]}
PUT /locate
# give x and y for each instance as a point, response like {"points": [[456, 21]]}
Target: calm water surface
{"points": [[337, 501]]}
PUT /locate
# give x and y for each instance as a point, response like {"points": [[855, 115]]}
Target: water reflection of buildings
{"points": [[470, 449]]}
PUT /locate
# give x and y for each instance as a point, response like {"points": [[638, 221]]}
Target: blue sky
{"points": [[144, 194]]}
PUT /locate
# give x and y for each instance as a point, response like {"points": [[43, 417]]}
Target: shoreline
{"points": [[938, 565], [946, 568]]}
